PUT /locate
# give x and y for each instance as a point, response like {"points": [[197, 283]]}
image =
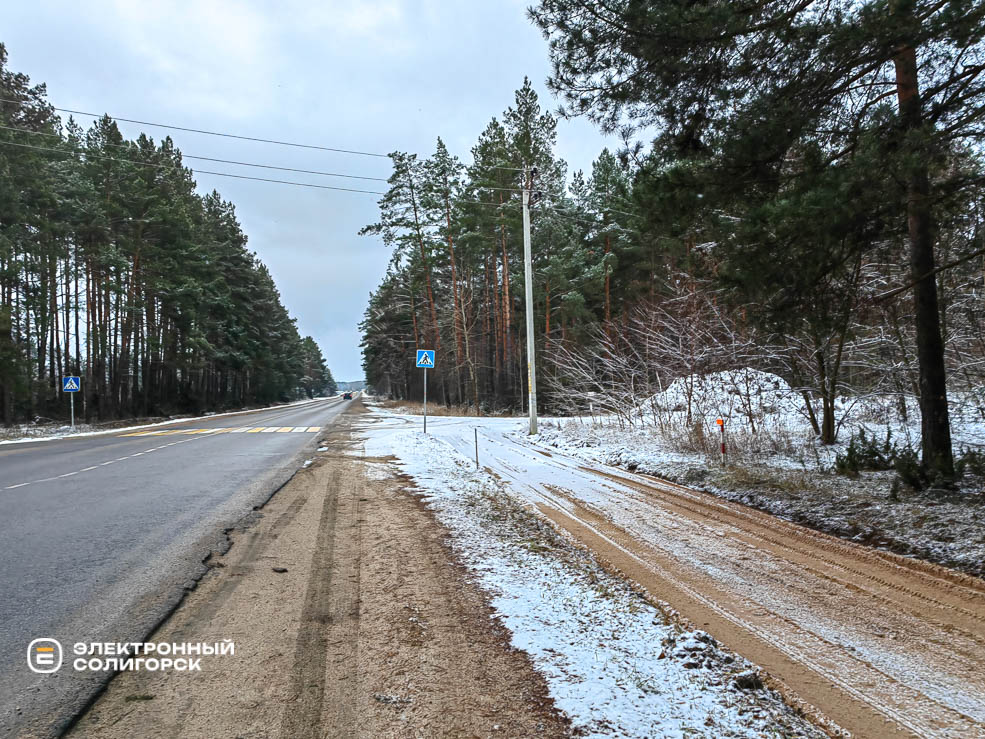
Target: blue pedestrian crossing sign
{"points": [[71, 384], [425, 358]]}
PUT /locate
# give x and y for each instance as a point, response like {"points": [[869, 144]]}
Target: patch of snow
{"points": [[942, 529], [614, 662], [742, 395]]}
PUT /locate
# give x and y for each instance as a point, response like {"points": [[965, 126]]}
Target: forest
{"points": [[113, 268], [799, 191]]}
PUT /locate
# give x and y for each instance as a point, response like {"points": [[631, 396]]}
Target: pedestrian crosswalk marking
{"points": [[230, 430]]}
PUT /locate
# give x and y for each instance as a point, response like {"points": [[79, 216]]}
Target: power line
{"points": [[557, 209], [224, 174], [287, 182], [196, 171], [129, 147], [286, 169], [212, 133]]}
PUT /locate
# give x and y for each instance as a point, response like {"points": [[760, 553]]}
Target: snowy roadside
{"points": [[616, 664], [947, 530], [25, 433]]}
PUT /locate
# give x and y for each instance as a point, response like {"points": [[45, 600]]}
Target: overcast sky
{"points": [[371, 76]]}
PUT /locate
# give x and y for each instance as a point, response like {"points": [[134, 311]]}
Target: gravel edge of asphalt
{"points": [[217, 544]]}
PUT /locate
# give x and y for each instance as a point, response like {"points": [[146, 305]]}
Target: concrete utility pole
{"points": [[528, 272]]}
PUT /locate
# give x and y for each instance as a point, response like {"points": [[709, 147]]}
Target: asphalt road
{"points": [[100, 536]]}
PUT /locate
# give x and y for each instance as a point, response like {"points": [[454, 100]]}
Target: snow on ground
{"points": [[767, 420], [946, 529], [776, 464], [745, 396], [615, 663]]}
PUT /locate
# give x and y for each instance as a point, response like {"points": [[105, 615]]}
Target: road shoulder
{"points": [[374, 629]]}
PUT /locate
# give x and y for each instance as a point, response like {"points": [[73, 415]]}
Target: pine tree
{"points": [[744, 87], [113, 267]]}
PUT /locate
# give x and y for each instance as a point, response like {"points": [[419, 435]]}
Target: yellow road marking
{"points": [[232, 430]]}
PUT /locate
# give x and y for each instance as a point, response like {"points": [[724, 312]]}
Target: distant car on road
{"points": [[347, 396]]}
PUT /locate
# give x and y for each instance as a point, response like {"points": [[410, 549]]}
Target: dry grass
{"points": [[743, 446], [759, 477], [434, 409]]}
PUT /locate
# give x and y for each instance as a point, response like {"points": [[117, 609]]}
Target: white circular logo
{"points": [[44, 655]]}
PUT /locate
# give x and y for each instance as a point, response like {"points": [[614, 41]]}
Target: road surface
{"points": [[102, 534]]}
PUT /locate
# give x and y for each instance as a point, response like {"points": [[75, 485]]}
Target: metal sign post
{"points": [[425, 360], [528, 287], [71, 384]]}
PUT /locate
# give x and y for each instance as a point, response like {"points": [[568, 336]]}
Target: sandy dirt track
{"points": [[882, 645], [870, 643], [372, 631]]}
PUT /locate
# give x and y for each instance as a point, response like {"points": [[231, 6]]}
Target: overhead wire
{"points": [[576, 284], [157, 165], [212, 133], [129, 147], [259, 165], [190, 169], [462, 201], [557, 209], [245, 138], [103, 157]]}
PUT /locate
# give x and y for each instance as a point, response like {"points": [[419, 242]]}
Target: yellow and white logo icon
{"points": [[44, 655]]}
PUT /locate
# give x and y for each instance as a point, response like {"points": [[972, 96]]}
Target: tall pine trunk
{"points": [[608, 298], [935, 422], [459, 348], [436, 336]]}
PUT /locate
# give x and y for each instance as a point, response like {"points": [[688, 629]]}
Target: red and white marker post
{"points": [[721, 427]]}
